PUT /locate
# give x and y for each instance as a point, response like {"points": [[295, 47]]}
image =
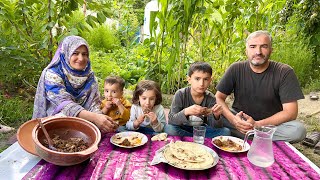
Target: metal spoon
{"points": [[50, 142]]}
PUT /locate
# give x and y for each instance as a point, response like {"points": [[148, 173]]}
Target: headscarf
{"points": [[61, 85]]}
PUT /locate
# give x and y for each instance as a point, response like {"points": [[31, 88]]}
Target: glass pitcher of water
{"points": [[261, 152]]}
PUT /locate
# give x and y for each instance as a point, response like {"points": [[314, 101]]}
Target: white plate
{"points": [[234, 139], [212, 152], [127, 134]]}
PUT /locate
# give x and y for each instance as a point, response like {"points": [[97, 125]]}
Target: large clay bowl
{"points": [[66, 127]]}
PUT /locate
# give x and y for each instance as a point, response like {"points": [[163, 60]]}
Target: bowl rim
{"points": [[87, 151], [21, 141]]}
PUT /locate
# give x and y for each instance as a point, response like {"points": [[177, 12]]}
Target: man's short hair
{"points": [[259, 33], [115, 80], [200, 66]]}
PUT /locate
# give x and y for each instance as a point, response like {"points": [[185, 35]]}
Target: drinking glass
{"points": [[199, 133]]}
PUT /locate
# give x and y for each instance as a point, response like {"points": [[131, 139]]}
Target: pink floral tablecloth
{"points": [[112, 162]]}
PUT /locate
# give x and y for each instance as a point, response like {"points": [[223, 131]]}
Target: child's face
{"points": [[112, 91], [147, 99], [199, 81]]}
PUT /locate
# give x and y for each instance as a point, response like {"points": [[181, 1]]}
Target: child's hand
{"points": [[108, 104], [195, 110], [138, 121], [217, 110], [153, 117], [116, 101]]}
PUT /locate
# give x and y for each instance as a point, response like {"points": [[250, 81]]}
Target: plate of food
{"points": [[230, 144], [182, 155], [129, 139]]}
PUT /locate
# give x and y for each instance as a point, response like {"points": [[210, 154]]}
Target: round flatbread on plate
{"points": [[230, 144], [129, 139], [190, 156]]}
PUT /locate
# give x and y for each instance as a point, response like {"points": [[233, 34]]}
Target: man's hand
{"points": [[243, 122]]}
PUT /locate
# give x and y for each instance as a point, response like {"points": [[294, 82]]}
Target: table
{"points": [[111, 162]]}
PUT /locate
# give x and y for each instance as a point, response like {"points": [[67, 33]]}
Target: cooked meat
{"points": [[218, 142], [69, 146], [146, 111], [227, 145], [125, 142]]}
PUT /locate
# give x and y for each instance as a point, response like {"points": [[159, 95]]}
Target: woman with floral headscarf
{"points": [[68, 87]]}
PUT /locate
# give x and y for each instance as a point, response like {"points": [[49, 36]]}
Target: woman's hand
{"points": [[105, 123]]}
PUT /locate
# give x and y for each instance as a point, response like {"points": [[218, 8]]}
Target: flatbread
{"points": [[160, 137], [187, 151], [188, 155], [135, 139], [117, 139]]}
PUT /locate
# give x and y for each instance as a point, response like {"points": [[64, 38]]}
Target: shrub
{"points": [[102, 38], [130, 64], [294, 51], [313, 85]]}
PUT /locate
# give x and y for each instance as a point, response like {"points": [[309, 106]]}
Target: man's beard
{"points": [[259, 63]]}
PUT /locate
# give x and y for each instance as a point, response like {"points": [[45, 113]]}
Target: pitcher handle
{"points": [[246, 138]]}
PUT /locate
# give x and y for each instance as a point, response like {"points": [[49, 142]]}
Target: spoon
{"points": [[50, 142]]}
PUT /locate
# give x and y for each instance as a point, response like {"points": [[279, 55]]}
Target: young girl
{"points": [[147, 114]]}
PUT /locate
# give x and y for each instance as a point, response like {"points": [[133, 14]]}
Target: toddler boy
{"points": [[114, 104]]}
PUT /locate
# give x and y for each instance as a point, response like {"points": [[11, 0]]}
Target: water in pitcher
{"points": [[261, 151], [261, 161]]}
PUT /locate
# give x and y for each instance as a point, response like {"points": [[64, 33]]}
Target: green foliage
{"points": [[129, 20], [15, 110], [200, 30], [306, 15], [27, 40], [313, 85], [130, 64], [22, 46], [102, 38], [292, 50], [138, 8], [75, 23]]}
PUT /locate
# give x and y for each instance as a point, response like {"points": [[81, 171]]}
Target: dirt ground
{"points": [[309, 113], [308, 107]]}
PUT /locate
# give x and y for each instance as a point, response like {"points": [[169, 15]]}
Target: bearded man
{"points": [[265, 93]]}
